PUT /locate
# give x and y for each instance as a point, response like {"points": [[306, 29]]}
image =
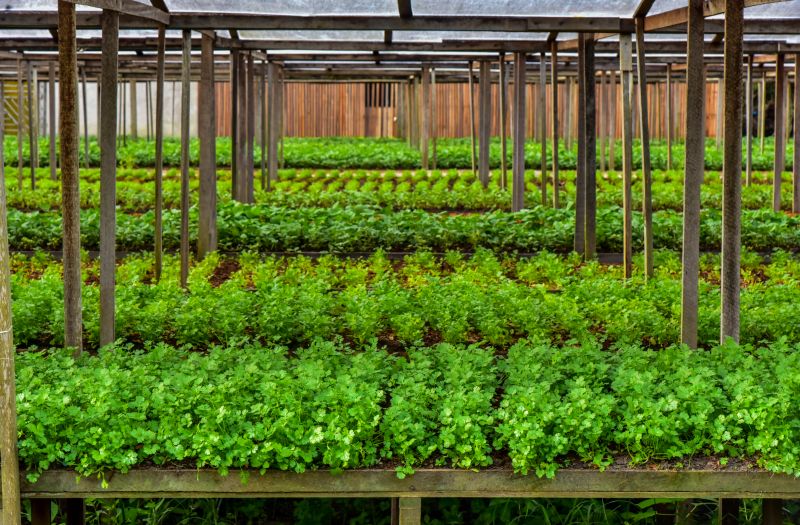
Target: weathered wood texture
{"points": [[542, 126], [207, 220], [518, 135], [185, 111], [554, 124], [626, 82], [51, 108], [647, 183], [425, 116], [748, 111], [796, 158], [590, 158], [502, 89], [580, 172], [159, 132], [484, 120], [780, 158]]}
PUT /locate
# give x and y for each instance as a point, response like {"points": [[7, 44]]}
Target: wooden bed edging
{"points": [[433, 483]]}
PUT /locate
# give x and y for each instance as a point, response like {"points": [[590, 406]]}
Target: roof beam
{"points": [[681, 15], [127, 7], [643, 8], [404, 8]]}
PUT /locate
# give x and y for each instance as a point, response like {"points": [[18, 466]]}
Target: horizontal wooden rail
{"points": [[426, 483]]}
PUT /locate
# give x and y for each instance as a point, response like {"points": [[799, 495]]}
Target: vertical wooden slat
{"points": [[251, 119], [108, 174], [159, 197], [85, 120], [425, 114], [780, 148], [647, 199], [543, 126], [580, 175], [234, 82], [134, 94], [20, 127], [612, 121], [33, 116], [568, 114], [626, 81], [185, 111], [748, 111], [471, 117], [51, 82], [590, 185], [603, 119], [718, 118], [502, 88], [796, 158], [207, 220], [434, 116], [668, 116], [518, 135], [264, 124], [762, 112], [274, 120], [410, 511], [554, 109], [70, 187], [485, 118]]}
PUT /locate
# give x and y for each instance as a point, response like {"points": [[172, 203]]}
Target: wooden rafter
{"points": [[128, 7], [680, 15]]}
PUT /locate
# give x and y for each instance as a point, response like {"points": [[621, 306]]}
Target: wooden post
{"points": [[425, 114], [51, 81], [471, 117], [780, 148], [518, 138], [147, 110], [626, 80], [647, 200], [281, 97], [502, 87], [41, 511], [410, 511], [242, 183], [554, 102], [732, 172], [249, 162], [263, 130], [159, 204], [185, 86], [20, 127], [85, 120], [568, 113], [748, 104], [796, 158], [668, 116], [108, 174], [772, 512], [10, 513], [543, 126], [485, 120], [134, 110], [206, 112], [612, 121], [75, 510], [601, 128], [762, 111], [580, 172], [274, 121], [718, 122], [434, 126], [70, 187], [590, 173], [235, 124], [33, 114], [694, 166]]}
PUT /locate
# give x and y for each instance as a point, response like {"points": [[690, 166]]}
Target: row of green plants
{"points": [[367, 228], [378, 153], [329, 405], [421, 299], [439, 190]]}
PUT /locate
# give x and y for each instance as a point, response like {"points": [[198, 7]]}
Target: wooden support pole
{"points": [[264, 124], [612, 121], [10, 513], [780, 148], [70, 187], [518, 138], [75, 510], [274, 121], [33, 113], [485, 121], [235, 123], [20, 127], [242, 184], [647, 183], [85, 120], [762, 112], [590, 172], [718, 129], [668, 116], [543, 126], [134, 110], [108, 174], [694, 166], [207, 220], [796, 158], [41, 511], [425, 115], [772, 512], [568, 114], [554, 114], [580, 172], [147, 110], [186, 67], [626, 81], [51, 107], [502, 88], [602, 118], [748, 111], [281, 114], [249, 161], [434, 127], [410, 511], [159, 168], [472, 118]]}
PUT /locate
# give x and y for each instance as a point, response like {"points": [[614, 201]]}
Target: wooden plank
{"points": [[590, 159], [580, 172], [679, 16], [612, 121], [108, 176], [554, 128], [70, 187], [410, 511], [20, 133], [206, 113], [425, 115], [503, 91], [796, 158], [568, 114], [274, 121], [748, 111], [485, 120], [51, 108], [85, 119], [518, 135], [33, 116], [779, 162], [602, 120], [718, 125], [128, 7], [134, 94], [626, 81], [472, 120], [159, 168], [668, 116], [404, 8], [250, 128], [41, 511], [762, 111], [185, 111], [542, 91], [264, 124], [434, 113], [647, 183], [234, 82], [694, 167]]}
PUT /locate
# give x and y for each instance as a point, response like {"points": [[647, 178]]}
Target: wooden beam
{"points": [[679, 16], [543, 127], [471, 89], [668, 116], [796, 158], [128, 7], [554, 116], [779, 163], [264, 123], [108, 177], [404, 8], [410, 511], [590, 155], [249, 162], [51, 108], [33, 116], [518, 137], [206, 116], [425, 115], [579, 243], [502, 88], [485, 120], [643, 8], [159, 191], [626, 83], [185, 113], [748, 105], [434, 127], [612, 121], [234, 83], [647, 198], [274, 122], [20, 127]]}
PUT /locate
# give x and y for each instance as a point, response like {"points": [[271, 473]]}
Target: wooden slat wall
{"points": [[338, 109]]}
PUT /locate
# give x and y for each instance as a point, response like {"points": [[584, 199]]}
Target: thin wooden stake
{"points": [[647, 183], [668, 116], [425, 114], [20, 127], [554, 127], [434, 127], [33, 114], [718, 129], [234, 81], [249, 162], [274, 121], [748, 103], [780, 147], [543, 126], [580, 172], [484, 121], [51, 81], [70, 187], [207, 235], [518, 135], [762, 111], [626, 80], [159, 204], [471, 117], [796, 158], [85, 120], [568, 114], [186, 67], [612, 122], [601, 128], [264, 124], [590, 174], [502, 88], [134, 110]]}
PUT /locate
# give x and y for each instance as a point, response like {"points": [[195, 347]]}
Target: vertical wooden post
{"points": [[762, 112], [626, 80], [580, 172], [543, 126], [694, 166], [568, 113], [668, 116], [612, 121], [780, 148], [70, 187], [434, 120], [134, 110], [554, 102], [264, 124], [97, 97], [772, 512], [502, 86], [41, 511], [729, 509], [241, 130], [20, 126], [159, 204], [250, 130], [281, 114], [108, 174], [10, 513], [33, 114], [471, 117], [732, 172], [647, 199], [235, 124], [425, 114], [75, 511], [485, 120], [796, 158], [51, 81], [207, 223], [590, 173], [718, 129], [185, 86], [518, 137], [602, 118], [274, 121], [85, 120], [147, 110], [410, 511], [748, 105]]}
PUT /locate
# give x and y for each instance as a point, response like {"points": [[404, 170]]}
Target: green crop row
{"points": [[421, 299], [365, 228], [327, 406], [376, 153]]}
